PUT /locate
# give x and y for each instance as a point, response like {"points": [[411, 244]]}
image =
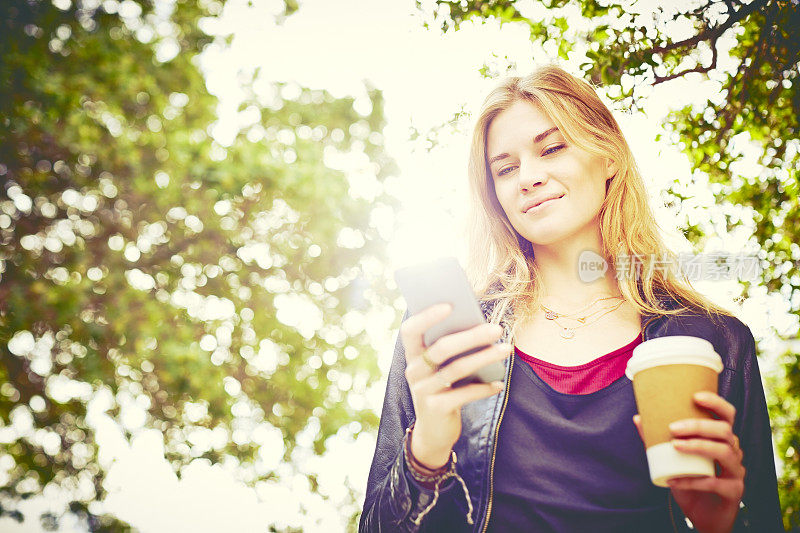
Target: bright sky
{"points": [[426, 78]]}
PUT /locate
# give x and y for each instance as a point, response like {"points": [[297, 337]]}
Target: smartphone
{"points": [[444, 281]]}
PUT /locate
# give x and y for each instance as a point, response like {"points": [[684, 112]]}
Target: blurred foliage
{"points": [[142, 260], [785, 392], [628, 49]]}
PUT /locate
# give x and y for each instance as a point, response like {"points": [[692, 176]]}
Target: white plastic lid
{"points": [[674, 350]]}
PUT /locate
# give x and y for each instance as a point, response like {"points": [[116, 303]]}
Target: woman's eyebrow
{"points": [[536, 140]]}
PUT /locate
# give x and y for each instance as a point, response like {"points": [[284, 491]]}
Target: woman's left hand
{"points": [[711, 503]]}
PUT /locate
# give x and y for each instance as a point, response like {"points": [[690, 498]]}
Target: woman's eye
{"points": [[506, 170], [553, 149]]}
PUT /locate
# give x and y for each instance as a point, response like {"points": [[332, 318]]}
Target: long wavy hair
{"points": [[501, 264]]}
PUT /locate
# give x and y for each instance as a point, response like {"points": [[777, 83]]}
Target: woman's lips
{"points": [[541, 206]]}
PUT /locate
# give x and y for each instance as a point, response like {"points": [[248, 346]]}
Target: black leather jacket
{"points": [[394, 501]]}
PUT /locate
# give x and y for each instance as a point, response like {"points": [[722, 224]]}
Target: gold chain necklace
{"points": [[569, 332], [550, 314]]}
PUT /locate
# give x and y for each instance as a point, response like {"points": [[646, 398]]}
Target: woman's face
{"points": [[550, 190]]}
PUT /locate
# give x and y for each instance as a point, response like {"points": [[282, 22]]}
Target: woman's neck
{"points": [[573, 274]]}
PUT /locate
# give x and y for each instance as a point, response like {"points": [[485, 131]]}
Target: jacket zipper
{"points": [[494, 447], [497, 433]]}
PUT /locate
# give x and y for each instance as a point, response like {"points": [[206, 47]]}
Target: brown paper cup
{"points": [[666, 373]]}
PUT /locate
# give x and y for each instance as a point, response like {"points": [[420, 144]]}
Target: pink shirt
{"points": [[586, 378]]}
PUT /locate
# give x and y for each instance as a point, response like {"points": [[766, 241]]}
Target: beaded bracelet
{"points": [[436, 478], [418, 471]]}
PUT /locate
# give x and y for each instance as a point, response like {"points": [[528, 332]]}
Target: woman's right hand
{"points": [[437, 405]]}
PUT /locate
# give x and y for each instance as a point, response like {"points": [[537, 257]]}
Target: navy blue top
{"points": [[568, 462]]}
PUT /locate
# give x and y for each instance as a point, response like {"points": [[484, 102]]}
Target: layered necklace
{"points": [[568, 332]]}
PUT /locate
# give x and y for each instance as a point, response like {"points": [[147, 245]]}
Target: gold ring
{"points": [[433, 366]]}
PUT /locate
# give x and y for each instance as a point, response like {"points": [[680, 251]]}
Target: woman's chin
{"points": [[551, 235], [554, 232]]}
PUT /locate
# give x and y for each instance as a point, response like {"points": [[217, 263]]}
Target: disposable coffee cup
{"points": [[666, 373]]}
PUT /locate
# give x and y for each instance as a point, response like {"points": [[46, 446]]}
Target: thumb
{"points": [[637, 421]]}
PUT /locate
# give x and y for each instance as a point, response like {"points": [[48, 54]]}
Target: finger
{"points": [[637, 421], [461, 368], [452, 400], [730, 489], [716, 404], [444, 383], [418, 370], [418, 374], [464, 366], [413, 328], [728, 458], [456, 343], [700, 427]]}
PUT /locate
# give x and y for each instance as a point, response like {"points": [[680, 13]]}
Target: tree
{"points": [[205, 284], [628, 50]]}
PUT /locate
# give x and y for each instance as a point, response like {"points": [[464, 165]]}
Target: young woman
{"points": [[556, 447]]}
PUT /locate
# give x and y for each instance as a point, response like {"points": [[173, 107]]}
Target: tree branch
{"points": [[712, 34], [699, 68], [715, 32]]}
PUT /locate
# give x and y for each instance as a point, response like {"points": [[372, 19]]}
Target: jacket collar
{"points": [[664, 302]]}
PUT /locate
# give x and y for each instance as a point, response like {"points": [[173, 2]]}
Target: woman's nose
{"points": [[530, 178]]}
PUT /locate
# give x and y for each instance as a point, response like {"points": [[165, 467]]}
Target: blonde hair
{"points": [[501, 264]]}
